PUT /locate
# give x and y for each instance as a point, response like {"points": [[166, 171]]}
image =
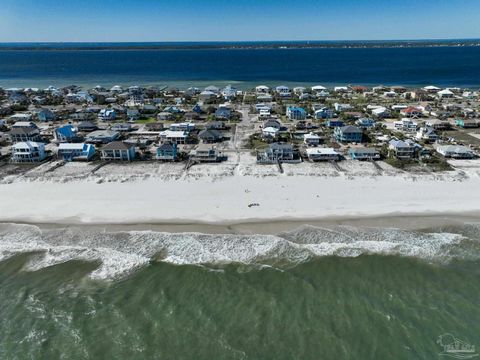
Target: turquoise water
{"points": [[357, 294]]}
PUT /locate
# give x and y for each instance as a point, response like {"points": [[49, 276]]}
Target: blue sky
{"points": [[231, 20]]}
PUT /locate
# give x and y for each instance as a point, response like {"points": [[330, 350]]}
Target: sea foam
{"points": [[121, 253]]}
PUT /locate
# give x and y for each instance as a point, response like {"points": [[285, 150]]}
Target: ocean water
{"points": [[245, 68], [334, 292]]}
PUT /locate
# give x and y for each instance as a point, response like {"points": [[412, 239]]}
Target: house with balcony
{"points": [[348, 133], [176, 137], [28, 152], [322, 154], [206, 153], [311, 139], [102, 136], [455, 151], [78, 151], [296, 113], [22, 134], [276, 152], [167, 152], [364, 153], [66, 134], [118, 150], [401, 149], [107, 115]]}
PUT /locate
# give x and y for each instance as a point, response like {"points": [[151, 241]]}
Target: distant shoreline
{"points": [[372, 44]]}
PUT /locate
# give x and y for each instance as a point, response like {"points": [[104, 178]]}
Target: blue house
{"points": [[197, 108], [45, 115], [66, 133], [324, 113], [296, 113], [167, 152], [365, 123], [334, 123], [348, 134], [223, 113], [70, 152]]}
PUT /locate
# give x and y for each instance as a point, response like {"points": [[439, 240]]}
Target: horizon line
{"points": [[239, 41]]}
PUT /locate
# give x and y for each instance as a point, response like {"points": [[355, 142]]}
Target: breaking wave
{"points": [[121, 253]]}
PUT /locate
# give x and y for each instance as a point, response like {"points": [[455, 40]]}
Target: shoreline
{"points": [[403, 221]]}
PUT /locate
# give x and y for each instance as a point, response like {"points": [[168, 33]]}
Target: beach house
{"points": [[334, 123], [427, 134], [167, 152], [210, 136], [406, 125], [322, 154], [176, 137], [324, 113], [401, 149], [206, 153], [223, 113], [86, 126], [121, 127], [466, 123], [283, 91], [455, 151], [311, 139], [274, 123], [79, 151], [184, 126], [28, 151], [296, 113], [21, 134], [66, 133], [364, 153], [107, 115], [411, 112], [365, 123], [102, 136], [276, 152], [270, 132], [348, 133], [118, 150], [438, 124], [45, 115]]}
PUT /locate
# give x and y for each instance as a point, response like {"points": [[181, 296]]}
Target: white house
{"points": [[455, 151], [28, 151], [270, 132], [107, 115], [322, 154], [175, 137], [311, 139]]}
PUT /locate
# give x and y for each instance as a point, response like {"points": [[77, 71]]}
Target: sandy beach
{"points": [[224, 193]]}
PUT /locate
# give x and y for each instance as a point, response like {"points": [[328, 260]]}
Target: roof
{"points": [[350, 129], [321, 151], [117, 145], [172, 133], [103, 133], [210, 133], [363, 150], [167, 147], [27, 145], [278, 146], [23, 131], [455, 148], [73, 146]]}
